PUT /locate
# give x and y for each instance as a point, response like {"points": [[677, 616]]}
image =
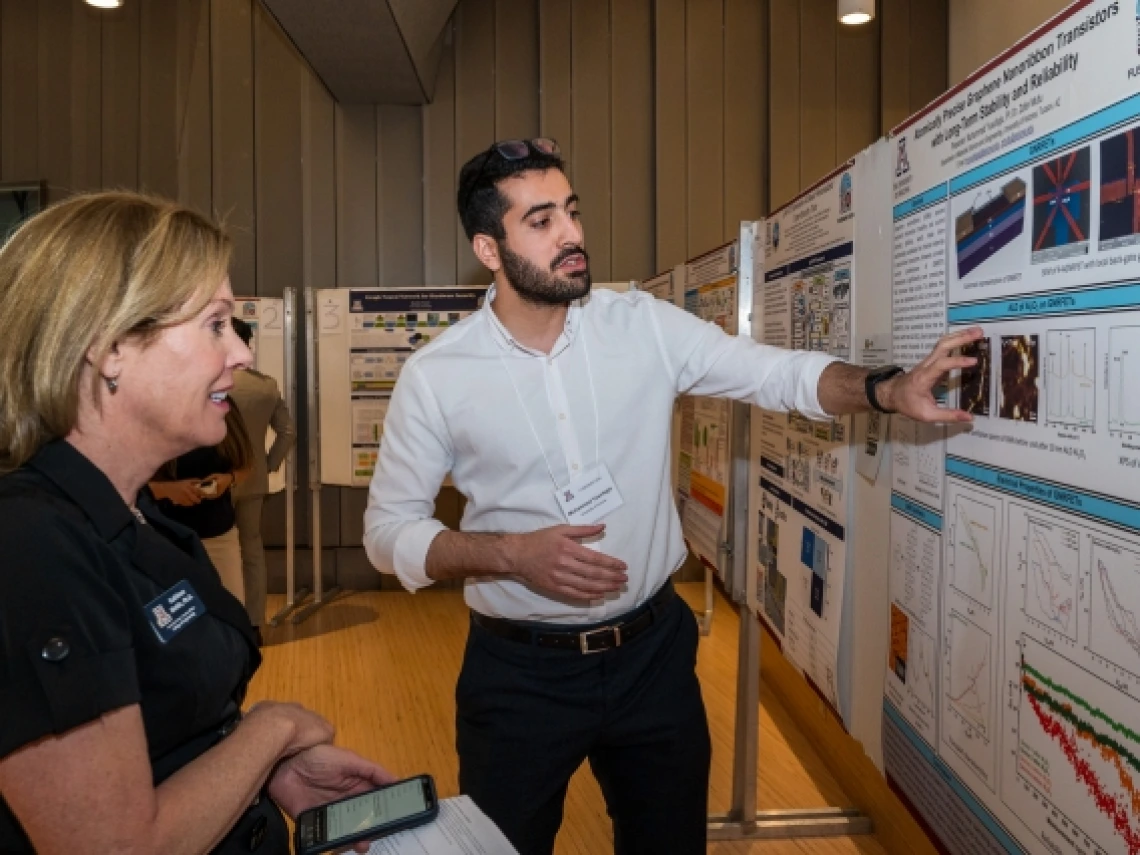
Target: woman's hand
{"points": [[321, 775], [184, 493]]}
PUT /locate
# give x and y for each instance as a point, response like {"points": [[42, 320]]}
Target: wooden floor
{"points": [[382, 667]]}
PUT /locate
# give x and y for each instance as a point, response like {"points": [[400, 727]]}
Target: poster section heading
{"points": [[1013, 675], [386, 327]]}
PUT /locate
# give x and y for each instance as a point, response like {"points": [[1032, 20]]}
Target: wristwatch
{"points": [[876, 377]]}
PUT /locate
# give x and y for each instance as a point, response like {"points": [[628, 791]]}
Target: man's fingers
{"points": [[944, 415], [579, 532], [947, 364], [595, 558], [958, 338], [594, 574], [949, 343]]}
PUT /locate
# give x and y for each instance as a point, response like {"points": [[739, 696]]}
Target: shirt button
{"points": [[55, 650], [562, 416], [575, 467], [258, 834]]}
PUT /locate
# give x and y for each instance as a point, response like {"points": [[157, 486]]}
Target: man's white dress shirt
{"points": [[510, 424]]}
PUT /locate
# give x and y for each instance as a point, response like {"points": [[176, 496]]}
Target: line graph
{"points": [[970, 674], [1115, 634], [973, 541], [921, 675], [1077, 749], [1070, 378], [1124, 380], [1051, 559]]}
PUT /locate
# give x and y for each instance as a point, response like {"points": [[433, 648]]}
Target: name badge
{"points": [[174, 610], [590, 498]]}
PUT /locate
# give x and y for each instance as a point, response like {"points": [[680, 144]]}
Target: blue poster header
{"points": [[1112, 298], [414, 300], [843, 250], [1068, 498], [922, 200], [917, 512], [1090, 126], [776, 490]]}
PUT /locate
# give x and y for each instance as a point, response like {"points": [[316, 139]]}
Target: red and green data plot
{"points": [[1081, 753]]}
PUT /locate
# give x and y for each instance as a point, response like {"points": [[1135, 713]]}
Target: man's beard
{"points": [[545, 288]]}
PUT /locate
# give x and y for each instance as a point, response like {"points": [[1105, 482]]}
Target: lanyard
{"points": [[530, 424]]}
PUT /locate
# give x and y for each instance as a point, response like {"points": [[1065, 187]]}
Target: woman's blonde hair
{"points": [[76, 279]]}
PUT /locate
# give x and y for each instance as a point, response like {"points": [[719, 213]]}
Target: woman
{"points": [[123, 661], [196, 491]]}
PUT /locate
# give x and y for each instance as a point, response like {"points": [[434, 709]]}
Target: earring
{"points": [[112, 384]]}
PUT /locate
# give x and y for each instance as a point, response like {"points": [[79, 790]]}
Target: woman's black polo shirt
{"points": [[80, 578]]}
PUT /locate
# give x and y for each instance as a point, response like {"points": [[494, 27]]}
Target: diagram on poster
{"points": [[1015, 212]]}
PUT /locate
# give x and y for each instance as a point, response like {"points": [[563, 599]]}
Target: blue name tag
{"points": [[173, 611]]}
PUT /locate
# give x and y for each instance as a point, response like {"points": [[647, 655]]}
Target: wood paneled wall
{"points": [[678, 119]]}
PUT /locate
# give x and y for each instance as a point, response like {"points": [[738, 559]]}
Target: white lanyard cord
{"points": [[593, 397], [530, 424]]}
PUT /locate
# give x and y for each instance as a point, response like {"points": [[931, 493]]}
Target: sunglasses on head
{"points": [[511, 150]]}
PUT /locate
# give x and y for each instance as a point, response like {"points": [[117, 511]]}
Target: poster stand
{"points": [[312, 415], [744, 821]]}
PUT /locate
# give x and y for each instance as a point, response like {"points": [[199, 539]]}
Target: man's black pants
{"points": [[528, 716]]}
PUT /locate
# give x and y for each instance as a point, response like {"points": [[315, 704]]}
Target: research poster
{"points": [[1013, 681], [660, 286], [703, 472], [386, 326], [266, 316], [804, 467]]}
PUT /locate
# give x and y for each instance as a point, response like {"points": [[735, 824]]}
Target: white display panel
{"points": [[365, 336], [266, 315], [1015, 541]]}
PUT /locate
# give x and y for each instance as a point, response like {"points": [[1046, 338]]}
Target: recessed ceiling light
{"points": [[855, 11]]}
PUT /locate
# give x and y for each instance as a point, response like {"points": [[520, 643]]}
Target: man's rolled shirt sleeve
{"points": [[415, 456]]}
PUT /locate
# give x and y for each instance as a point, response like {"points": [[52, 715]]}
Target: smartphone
{"points": [[367, 816]]}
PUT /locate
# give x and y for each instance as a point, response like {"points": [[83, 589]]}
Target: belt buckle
{"points": [[584, 642]]}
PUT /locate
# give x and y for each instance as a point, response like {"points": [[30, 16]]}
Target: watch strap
{"points": [[874, 379]]}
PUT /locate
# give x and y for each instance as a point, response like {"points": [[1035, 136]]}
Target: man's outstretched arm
{"points": [[842, 387]]}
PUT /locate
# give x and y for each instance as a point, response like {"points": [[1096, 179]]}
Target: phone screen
{"points": [[376, 808]]}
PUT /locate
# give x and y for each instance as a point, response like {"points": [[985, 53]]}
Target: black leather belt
{"points": [[593, 639]]}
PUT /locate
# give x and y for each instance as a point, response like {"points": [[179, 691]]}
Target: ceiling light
{"points": [[856, 11], [105, 4]]}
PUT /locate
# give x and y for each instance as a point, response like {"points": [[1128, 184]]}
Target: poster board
{"points": [[800, 517], [266, 316], [1012, 690], [365, 336], [704, 453]]}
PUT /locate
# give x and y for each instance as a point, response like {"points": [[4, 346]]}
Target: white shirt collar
{"points": [[502, 336]]}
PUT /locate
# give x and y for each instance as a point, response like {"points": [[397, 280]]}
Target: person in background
{"points": [[123, 660], [261, 406], [196, 490]]}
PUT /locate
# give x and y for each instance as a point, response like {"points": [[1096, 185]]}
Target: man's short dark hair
{"points": [[482, 205], [244, 330]]}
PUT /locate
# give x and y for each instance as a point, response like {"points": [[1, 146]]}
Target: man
{"points": [[260, 404], [551, 409]]}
